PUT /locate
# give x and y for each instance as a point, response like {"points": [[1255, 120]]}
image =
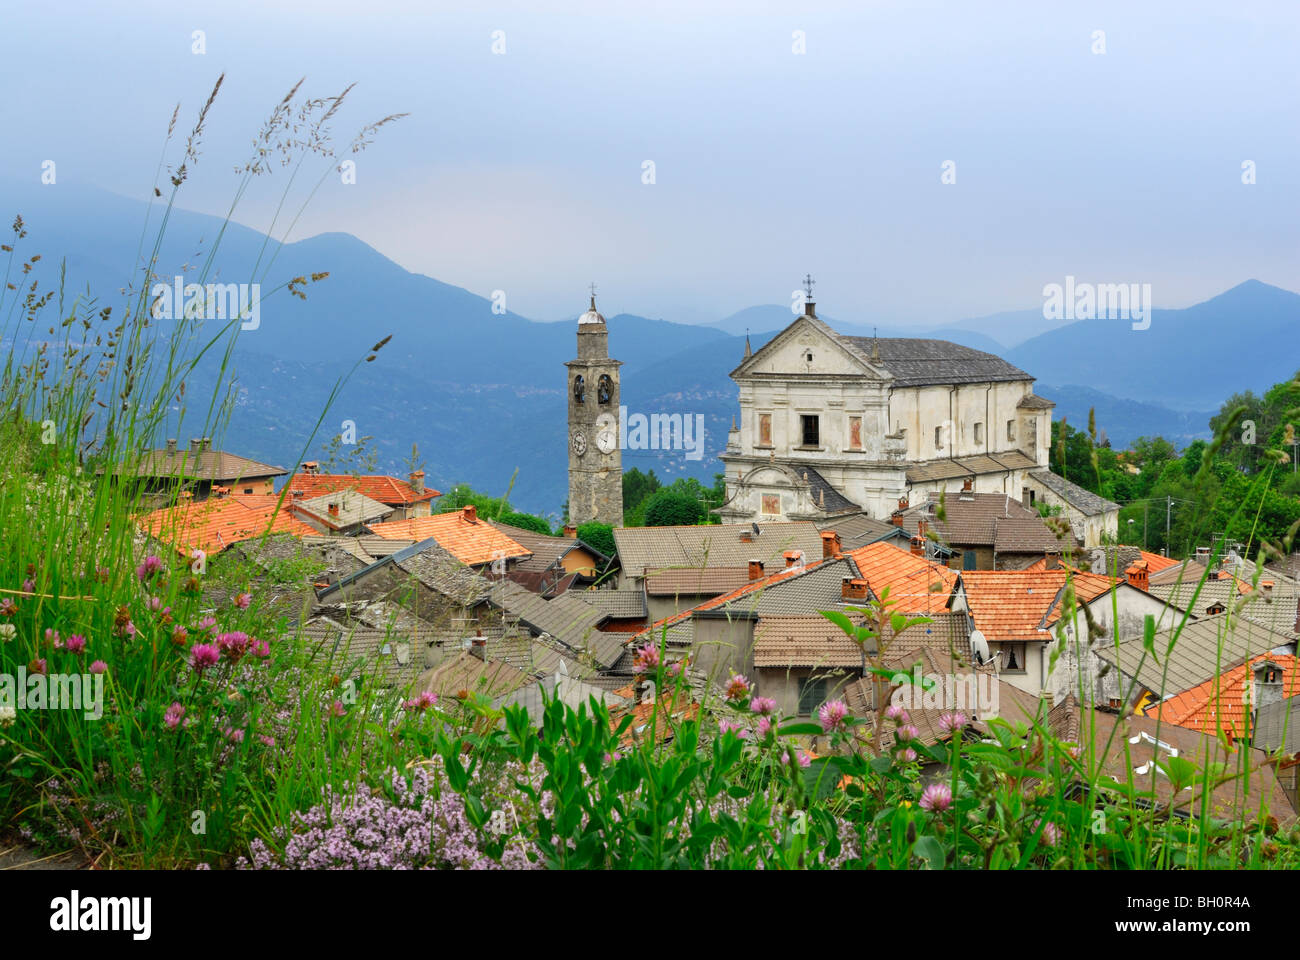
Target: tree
{"points": [[637, 488], [669, 508], [526, 521], [598, 535]]}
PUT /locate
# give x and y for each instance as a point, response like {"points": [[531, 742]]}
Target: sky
{"points": [[524, 171]]}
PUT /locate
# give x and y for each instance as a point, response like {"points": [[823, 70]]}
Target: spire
{"points": [[809, 305], [593, 297], [749, 351]]}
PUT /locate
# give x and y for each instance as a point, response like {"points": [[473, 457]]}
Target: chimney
{"points": [[1268, 684], [918, 546], [968, 489], [297, 494], [196, 445], [310, 467], [469, 514], [755, 569], [171, 446], [1138, 575], [791, 558], [902, 503], [334, 509], [571, 531], [746, 536], [417, 481], [1266, 587], [1054, 562], [921, 527], [831, 546], [1296, 625], [478, 646], [207, 444], [852, 588], [896, 518]]}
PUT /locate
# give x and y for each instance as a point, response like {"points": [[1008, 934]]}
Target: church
{"points": [[832, 425]]}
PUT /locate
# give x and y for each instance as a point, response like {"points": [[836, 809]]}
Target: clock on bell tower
{"points": [[595, 453]]}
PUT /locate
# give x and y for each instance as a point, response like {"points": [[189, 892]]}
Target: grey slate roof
{"points": [[1082, 500], [546, 550], [1033, 402], [1205, 648], [712, 545], [917, 362], [353, 508], [1278, 612], [823, 493], [962, 467], [566, 618], [618, 604], [394, 657], [858, 530]]}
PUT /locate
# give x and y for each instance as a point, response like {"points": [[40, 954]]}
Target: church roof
{"points": [[918, 362], [824, 494]]}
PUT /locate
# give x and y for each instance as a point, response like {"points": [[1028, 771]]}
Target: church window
{"points": [[765, 429], [811, 431], [808, 356], [604, 388], [579, 388], [979, 433], [1011, 430], [938, 438]]}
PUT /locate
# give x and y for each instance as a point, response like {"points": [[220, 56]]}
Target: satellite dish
{"points": [[754, 527], [979, 646]]}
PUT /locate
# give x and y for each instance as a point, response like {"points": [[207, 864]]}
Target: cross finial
{"points": [[592, 288], [808, 285]]}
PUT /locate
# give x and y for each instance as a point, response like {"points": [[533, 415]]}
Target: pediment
{"points": [[787, 353]]}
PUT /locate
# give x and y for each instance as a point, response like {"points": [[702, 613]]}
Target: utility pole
{"points": [[1169, 506], [1146, 508]]}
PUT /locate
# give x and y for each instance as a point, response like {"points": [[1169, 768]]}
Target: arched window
{"points": [[604, 388], [579, 388]]}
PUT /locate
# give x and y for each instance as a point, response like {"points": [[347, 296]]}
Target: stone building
{"points": [[595, 447], [834, 425]]}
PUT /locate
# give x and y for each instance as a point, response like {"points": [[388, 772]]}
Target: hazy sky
{"points": [[523, 171]]}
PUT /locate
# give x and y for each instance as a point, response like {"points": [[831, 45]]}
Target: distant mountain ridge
{"points": [[483, 393]]}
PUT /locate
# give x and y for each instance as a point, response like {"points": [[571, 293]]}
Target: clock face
{"points": [[606, 440], [579, 444]]}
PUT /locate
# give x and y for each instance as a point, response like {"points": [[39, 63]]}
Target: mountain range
{"points": [[482, 393]]}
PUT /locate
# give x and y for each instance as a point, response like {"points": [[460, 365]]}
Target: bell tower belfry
{"points": [[595, 447]]}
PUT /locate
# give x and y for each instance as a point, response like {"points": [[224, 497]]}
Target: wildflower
{"points": [[763, 705], [421, 703], [896, 713], [101, 574], [952, 722], [53, 639], [204, 655], [336, 709], [936, 798], [7, 607], [7, 716], [647, 658], [8, 631], [764, 727], [804, 757], [832, 715], [908, 755], [180, 636], [75, 643], [147, 569], [29, 586], [266, 739], [207, 624], [610, 758], [260, 648], [99, 666], [727, 726], [172, 718], [737, 688], [155, 604], [1051, 834], [234, 735], [242, 600], [234, 644], [907, 732], [38, 666], [675, 668]]}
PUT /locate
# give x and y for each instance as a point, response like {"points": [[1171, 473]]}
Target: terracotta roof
{"points": [[215, 465], [916, 585], [471, 542], [1223, 702], [1020, 605], [385, 489], [1156, 562], [712, 545], [214, 524]]}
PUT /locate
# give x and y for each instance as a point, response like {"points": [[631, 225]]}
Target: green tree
{"points": [[526, 521], [598, 535], [670, 507]]}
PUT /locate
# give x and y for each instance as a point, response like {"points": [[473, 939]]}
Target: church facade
{"points": [[831, 425], [595, 447]]}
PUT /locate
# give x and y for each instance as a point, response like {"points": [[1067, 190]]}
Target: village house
{"points": [[407, 498], [216, 523], [164, 474], [554, 564]]}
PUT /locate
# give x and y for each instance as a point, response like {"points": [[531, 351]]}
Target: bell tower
{"points": [[595, 448]]}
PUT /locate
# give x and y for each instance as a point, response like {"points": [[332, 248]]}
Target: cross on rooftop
{"points": [[808, 285], [592, 288]]}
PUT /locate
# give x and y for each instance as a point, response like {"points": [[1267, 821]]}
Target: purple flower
{"points": [[832, 715], [204, 655], [172, 718], [234, 644], [936, 798], [737, 688], [421, 703], [763, 728], [908, 755], [763, 705], [1051, 834], [907, 732], [147, 569], [53, 639], [37, 666], [647, 658], [336, 709], [242, 600], [952, 722], [727, 726], [29, 586], [99, 666], [896, 713], [804, 757], [75, 643], [207, 623]]}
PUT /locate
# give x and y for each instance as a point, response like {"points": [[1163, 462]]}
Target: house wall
{"points": [[782, 685]]}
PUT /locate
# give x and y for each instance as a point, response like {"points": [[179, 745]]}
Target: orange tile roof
{"points": [[1017, 605], [470, 541], [385, 489], [214, 524], [1156, 563], [1220, 703], [915, 583]]}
